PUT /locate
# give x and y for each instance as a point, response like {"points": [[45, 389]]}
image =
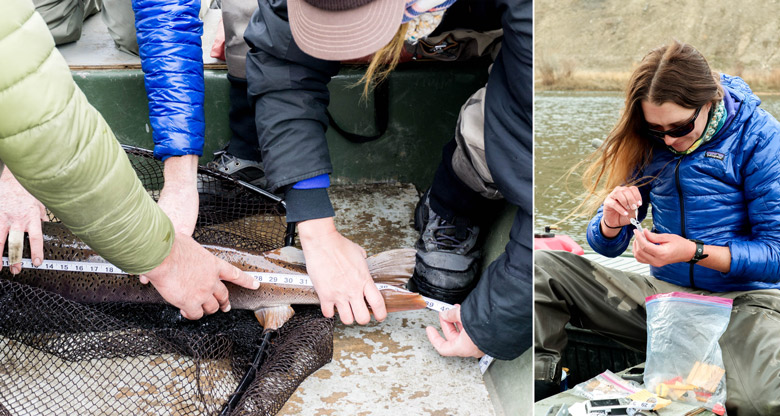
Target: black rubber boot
{"points": [[447, 257]]}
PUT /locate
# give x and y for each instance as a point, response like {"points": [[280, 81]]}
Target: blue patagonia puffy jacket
{"points": [[169, 43], [726, 193]]}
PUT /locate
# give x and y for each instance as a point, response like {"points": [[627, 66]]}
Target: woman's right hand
{"points": [[619, 207], [20, 212], [339, 271]]}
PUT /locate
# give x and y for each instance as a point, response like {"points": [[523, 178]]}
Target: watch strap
{"points": [[699, 253]]}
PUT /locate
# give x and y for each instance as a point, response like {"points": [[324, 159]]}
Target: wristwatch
{"points": [[699, 253]]}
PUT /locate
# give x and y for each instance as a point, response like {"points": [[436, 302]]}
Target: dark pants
{"points": [[451, 198], [243, 139], [570, 288]]}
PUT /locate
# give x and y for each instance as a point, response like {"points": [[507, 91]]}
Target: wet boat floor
{"points": [[387, 368]]}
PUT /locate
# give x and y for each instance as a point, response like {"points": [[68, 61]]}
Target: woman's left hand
{"points": [[457, 342], [661, 249]]}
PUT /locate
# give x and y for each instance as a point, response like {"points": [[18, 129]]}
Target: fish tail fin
{"points": [[392, 267], [395, 268], [401, 300]]}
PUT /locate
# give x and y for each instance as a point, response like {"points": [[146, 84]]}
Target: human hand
{"points": [[620, 206], [339, 271], [661, 249], [20, 212], [190, 278], [457, 342], [179, 196]]}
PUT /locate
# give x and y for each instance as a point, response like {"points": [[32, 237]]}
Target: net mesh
{"points": [[58, 356]]}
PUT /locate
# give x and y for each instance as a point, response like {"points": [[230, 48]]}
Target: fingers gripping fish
{"points": [[270, 303]]}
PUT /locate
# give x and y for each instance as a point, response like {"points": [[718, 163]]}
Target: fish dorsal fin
{"points": [[272, 318], [392, 267]]}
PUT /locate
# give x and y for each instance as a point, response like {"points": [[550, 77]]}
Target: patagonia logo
{"points": [[715, 155]]}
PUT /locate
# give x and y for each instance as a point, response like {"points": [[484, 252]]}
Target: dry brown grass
{"points": [[545, 74], [548, 77], [583, 81], [765, 82]]}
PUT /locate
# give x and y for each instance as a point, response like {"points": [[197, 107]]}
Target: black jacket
{"points": [[497, 313]]}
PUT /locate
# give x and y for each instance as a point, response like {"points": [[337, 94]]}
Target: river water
{"points": [[565, 124]]}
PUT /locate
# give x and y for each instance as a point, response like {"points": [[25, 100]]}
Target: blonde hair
{"points": [[675, 73], [384, 61]]}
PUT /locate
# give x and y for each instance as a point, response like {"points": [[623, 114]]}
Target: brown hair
{"points": [[675, 73], [384, 61]]}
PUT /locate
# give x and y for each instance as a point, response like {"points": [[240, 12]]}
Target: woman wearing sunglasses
{"points": [[696, 146]]}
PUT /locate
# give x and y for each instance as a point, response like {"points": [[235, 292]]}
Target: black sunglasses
{"points": [[678, 131]]}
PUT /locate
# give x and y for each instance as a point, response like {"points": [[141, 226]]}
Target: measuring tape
{"points": [[293, 279], [289, 279]]}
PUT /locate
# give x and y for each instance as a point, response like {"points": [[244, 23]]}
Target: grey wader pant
{"points": [[119, 17], [65, 18], [570, 288]]}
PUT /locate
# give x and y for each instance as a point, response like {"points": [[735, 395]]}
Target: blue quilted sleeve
{"points": [[169, 42], [758, 258], [610, 247]]}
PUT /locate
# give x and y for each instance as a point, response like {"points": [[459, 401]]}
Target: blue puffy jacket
{"points": [[726, 193], [169, 43]]}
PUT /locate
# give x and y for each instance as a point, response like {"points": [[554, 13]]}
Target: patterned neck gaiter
{"points": [[714, 124]]}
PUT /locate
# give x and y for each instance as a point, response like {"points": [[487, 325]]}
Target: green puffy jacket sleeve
{"points": [[62, 151]]}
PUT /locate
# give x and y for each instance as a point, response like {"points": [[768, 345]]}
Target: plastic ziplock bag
{"points": [[684, 361]]}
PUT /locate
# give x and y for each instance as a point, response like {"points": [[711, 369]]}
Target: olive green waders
{"points": [[570, 288]]}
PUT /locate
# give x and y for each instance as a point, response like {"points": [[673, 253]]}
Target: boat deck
{"points": [[625, 263]]}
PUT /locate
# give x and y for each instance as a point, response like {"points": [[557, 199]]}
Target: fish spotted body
{"points": [[271, 302]]}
